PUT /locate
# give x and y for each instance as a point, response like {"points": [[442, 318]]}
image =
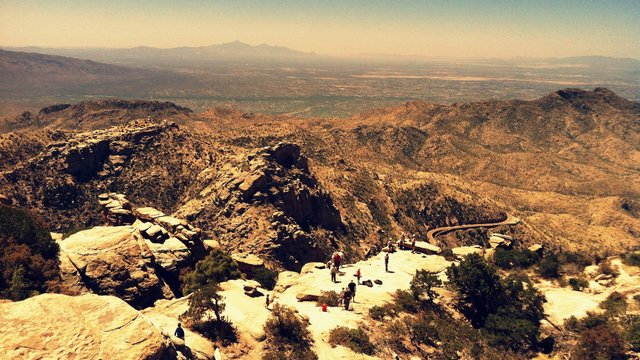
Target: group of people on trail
{"points": [[403, 241], [347, 294]]}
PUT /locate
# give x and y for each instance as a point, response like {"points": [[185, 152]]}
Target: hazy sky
{"points": [[431, 28]]}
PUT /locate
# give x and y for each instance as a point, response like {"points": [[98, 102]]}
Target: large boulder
{"points": [[115, 261], [54, 326], [464, 251], [247, 263]]}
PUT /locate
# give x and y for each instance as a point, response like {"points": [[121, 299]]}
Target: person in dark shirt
{"points": [[179, 332], [352, 288]]}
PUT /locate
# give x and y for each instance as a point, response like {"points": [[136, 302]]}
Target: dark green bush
{"points": [[331, 298], [423, 331], [287, 336], [266, 277], [405, 302], [632, 259], [614, 304], [215, 268], [508, 311], [600, 342], [205, 315], [580, 259], [549, 267], [379, 312], [28, 255], [633, 333], [355, 339], [515, 258], [578, 284], [422, 286], [481, 292]]}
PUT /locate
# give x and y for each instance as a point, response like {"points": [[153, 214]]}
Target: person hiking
{"points": [[352, 288], [267, 302], [413, 244], [334, 272], [386, 262], [342, 295], [401, 245], [179, 333], [358, 275], [347, 299]]}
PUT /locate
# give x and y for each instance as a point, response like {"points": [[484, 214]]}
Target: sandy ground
{"points": [[402, 268]]}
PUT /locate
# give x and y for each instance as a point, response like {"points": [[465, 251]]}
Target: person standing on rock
{"points": [[358, 275], [386, 262], [334, 272], [179, 333], [352, 289]]}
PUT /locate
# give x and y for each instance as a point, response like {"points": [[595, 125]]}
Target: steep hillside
{"points": [[293, 190]]}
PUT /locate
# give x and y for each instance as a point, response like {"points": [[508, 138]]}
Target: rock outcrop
{"points": [[53, 326], [267, 202], [116, 261]]}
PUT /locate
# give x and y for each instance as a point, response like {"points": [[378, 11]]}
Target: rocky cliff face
{"points": [[266, 201]]}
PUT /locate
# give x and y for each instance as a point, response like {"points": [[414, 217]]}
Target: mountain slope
{"points": [[19, 70], [291, 190]]}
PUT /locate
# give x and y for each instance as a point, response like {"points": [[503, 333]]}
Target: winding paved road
{"points": [[431, 234]]}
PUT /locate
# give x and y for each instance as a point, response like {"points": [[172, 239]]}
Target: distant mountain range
{"points": [[145, 56]]}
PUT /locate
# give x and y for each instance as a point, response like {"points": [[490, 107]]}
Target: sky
{"points": [[465, 29]]}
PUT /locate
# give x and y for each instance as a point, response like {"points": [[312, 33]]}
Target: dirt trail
{"points": [[431, 234]]}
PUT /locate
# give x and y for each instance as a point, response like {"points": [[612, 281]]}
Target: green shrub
{"points": [[509, 311], [331, 298], [422, 286], [607, 269], [481, 292], [600, 342], [636, 297], [633, 333], [205, 316], [287, 336], [266, 277], [379, 312], [549, 267], [578, 284], [405, 302], [215, 268], [614, 304], [580, 259], [423, 331], [28, 255], [396, 332], [632, 259], [509, 259], [355, 339]]}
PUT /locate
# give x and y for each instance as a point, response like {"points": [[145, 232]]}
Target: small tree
{"points": [[549, 267], [215, 268], [423, 284], [287, 336], [204, 315], [481, 292], [203, 302]]}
